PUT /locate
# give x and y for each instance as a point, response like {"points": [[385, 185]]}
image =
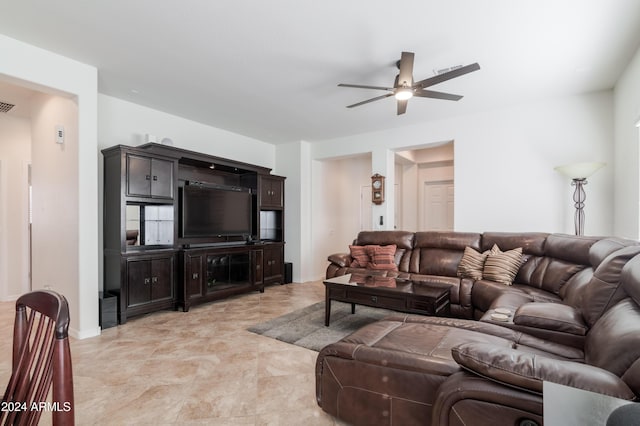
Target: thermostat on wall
{"points": [[59, 134]]}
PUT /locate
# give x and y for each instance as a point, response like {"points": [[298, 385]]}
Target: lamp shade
{"points": [[580, 170]]}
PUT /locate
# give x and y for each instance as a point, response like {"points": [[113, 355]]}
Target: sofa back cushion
{"points": [[440, 252], [573, 293], [605, 288], [402, 239], [548, 260], [570, 248], [613, 342], [547, 273], [603, 248], [532, 243]]}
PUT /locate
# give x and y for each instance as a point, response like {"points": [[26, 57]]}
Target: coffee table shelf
{"points": [[389, 293]]}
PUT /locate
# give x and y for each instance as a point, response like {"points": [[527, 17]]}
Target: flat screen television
{"points": [[215, 212]]}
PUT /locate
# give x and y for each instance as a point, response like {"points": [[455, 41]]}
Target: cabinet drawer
{"points": [[376, 300], [337, 293]]}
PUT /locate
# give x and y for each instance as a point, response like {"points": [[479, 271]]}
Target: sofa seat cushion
{"points": [[551, 316], [485, 293]]}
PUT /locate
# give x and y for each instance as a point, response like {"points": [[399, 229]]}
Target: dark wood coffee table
{"points": [[389, 293]]}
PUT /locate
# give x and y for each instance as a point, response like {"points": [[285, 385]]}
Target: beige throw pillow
{"points": [[502, 266], [472, 264]]}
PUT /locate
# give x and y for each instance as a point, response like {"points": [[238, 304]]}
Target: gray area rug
{"points": [[305, 327]]}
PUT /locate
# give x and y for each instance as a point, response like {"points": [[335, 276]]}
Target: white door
{"points": [[437, 212]]}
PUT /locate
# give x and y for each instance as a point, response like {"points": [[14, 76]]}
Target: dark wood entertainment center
{"points": [[149, 263]]}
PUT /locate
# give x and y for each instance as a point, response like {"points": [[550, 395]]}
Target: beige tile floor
{"points": [[196, 368]]}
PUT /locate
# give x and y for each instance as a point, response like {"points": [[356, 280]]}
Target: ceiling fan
{"points": [[404, 88]]}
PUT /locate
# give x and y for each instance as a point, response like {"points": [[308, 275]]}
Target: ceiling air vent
{"points": [[5, 107]]}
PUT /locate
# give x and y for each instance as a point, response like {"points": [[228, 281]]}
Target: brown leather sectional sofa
{"points": [[576, 321]]}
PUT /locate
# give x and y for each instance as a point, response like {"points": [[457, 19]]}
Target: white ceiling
{"points": [[270, 69]]}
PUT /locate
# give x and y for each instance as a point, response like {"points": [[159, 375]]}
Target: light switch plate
{"points": [[60, 134]]}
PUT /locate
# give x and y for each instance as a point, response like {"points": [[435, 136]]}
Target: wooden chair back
{"points": [[41, 379]]}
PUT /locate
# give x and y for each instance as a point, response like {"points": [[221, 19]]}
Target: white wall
{"points": [[297, 232], [504, 164], [125, 123], [15, 156], [38, 69], [336, 212], [55, 178], [627, 185]]}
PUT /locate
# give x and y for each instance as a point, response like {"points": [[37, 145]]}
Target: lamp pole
{"points": [[579, 196], [579, 172]]}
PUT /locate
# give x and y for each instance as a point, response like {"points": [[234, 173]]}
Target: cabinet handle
{"points": [[195, 276], [147, 177], [374, 299], [154, 280], [155, 178], [147, 280]]}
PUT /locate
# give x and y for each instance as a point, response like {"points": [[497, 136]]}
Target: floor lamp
{"points": [[579, 172]]}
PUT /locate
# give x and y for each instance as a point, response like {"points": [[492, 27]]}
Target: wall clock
{"points": [[377, 189]]}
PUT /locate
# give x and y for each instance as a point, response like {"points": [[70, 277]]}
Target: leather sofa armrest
{"points": [[525, 370], [551, 316], [341, 259], [464, 395]]}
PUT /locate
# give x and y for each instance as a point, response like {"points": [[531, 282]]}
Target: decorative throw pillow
{"points": [[472, 264], [502, 266], [360, 256], [382, 257]]}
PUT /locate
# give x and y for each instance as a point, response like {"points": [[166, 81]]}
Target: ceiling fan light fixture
{"points": [[404, 93], [404, 87]]}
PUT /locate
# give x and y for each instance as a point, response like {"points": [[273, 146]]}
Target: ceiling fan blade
{"points": [[360, 86], [370, 100], [436, 95], [402, 106], [405, 77], [446, 76]]}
